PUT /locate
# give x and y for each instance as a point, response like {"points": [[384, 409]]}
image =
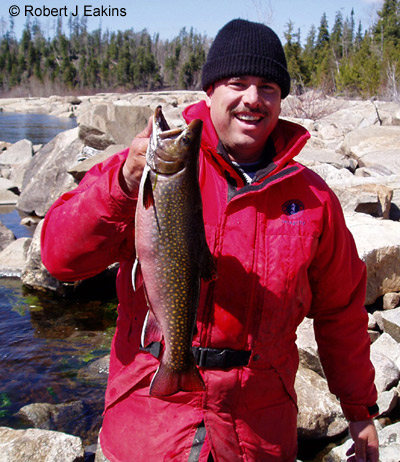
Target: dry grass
{"points": [[311, 105]]}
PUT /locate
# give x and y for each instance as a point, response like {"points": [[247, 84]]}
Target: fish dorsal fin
{"points": [[151, 331]]}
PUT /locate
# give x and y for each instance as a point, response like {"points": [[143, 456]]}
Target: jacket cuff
{"points": [[356, 412]]}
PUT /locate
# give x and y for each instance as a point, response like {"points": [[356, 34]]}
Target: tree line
{"points": [[344, 60]]}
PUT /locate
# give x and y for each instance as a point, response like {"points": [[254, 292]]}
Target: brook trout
{"points": [[172, 251]]}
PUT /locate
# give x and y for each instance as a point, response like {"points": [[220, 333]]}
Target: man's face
{"points": [[244, 111]]}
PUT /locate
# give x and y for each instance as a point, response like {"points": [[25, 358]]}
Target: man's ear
{"points": [[209, 92]]}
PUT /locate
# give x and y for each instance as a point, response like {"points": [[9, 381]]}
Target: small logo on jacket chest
{"points": [[292, 207]]}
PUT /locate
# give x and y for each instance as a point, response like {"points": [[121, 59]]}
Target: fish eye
{"points": [[186, 140]]}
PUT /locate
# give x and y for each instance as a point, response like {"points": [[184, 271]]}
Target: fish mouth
{"points": [[169, 149]]}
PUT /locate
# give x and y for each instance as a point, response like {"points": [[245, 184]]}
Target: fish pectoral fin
{"points": [[151, 331], [209, 268], [148, 197], [137, 278]]}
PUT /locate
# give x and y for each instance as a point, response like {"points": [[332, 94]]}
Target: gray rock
{"points": [[338, 454], [13, 258], [391, 323], [372, 199], [97, 370], [387, 374], [104, 124], [378, 244], [65, 417], [8, 197], [375, 145], [320, 414], [47, 175], [387, 401], [389, 443], [391, 300], [6, 236], [10, 184], [325, 157], [389, 446], [20, 152], [34, 273], [35, 445], [388, 346], [307, 347], [79, 169], [100, 457], [391, 182]]}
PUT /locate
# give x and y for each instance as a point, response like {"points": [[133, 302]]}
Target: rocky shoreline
{"points": [[355, 147]]}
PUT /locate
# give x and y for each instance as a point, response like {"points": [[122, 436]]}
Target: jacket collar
{"points": [[288, 138]]}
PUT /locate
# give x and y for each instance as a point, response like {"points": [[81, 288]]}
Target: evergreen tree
{"points": [[296, 66]]}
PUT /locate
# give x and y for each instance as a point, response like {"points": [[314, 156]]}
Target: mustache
{"points": [[251, 111]]}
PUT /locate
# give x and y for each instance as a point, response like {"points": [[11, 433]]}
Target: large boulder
{"points": [[384, 186], [378, 244], [320, 414], [105, 124], [79, 169], [47, 175], [13, 163], [20, 152], [35, 445], [375, 145]]}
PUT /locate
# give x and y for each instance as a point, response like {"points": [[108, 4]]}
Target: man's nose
{"points": [[251, 96]]}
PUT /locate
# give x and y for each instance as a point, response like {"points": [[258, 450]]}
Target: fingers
{"points": [[136, 160], [146, 132]]}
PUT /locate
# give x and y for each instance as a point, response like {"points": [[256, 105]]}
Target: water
{"points": [[10, 217], [46, 343], [38, 128], [46, 347]]}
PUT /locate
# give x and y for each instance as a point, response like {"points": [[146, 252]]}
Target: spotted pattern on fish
{"points": [[172, 252]]}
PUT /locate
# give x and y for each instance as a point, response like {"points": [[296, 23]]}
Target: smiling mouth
{"points": [[248, 117]]}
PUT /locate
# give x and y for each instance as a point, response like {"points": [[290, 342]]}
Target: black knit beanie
{"points": [[246, 48]]}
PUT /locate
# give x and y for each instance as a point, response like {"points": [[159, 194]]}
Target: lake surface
{"points": [[38, 128]]}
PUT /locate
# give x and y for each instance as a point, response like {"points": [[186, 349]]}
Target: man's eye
{"points": [[269, 88], [236, 84]]}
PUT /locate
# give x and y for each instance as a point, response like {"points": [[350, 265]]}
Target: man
{"points": [[282, 252]]}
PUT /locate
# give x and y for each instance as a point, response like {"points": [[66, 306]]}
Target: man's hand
{"points": [[136, 160], [366, 443]]}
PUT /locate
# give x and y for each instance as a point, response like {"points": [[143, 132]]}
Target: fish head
{"points": [[170, 151]]}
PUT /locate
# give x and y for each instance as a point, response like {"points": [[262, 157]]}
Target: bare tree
{"points": [[264, 11]]}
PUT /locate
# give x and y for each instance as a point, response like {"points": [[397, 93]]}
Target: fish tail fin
{"points": [[167, 382]]}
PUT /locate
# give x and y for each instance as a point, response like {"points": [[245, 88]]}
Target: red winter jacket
{"points": [[283, 252]]}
